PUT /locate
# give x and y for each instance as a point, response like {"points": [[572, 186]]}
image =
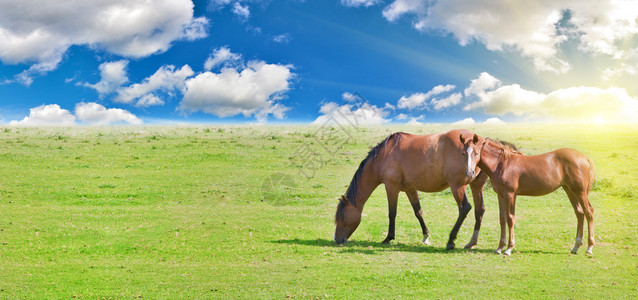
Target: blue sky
{"points": [[252, 61]]}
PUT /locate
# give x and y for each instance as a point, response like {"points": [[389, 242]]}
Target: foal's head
{"points": [[347, 220], [471, 153]]}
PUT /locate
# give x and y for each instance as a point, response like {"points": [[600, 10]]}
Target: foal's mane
{"points": [[353, 189], [507, 148]]}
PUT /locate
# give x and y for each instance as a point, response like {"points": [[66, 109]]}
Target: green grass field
{"points": [[247, 212]]}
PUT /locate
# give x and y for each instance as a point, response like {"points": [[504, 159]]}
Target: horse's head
{"points": [[347, 220], [472, 153]]}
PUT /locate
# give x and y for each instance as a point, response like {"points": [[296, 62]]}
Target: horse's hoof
{"points": [[427, 241], [449, 246], [386, 241], [577, 245], [470, 246], [508, 252], [497, 251], [590, 251]]}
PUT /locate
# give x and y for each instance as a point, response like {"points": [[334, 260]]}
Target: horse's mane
{"points": [[507, 148], [353, 189]]}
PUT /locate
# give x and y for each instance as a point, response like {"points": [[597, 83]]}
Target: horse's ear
{"points": [[462, 139], [476, 139], [344, 200]]}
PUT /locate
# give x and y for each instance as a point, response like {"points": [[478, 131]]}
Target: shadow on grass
{"points": [[368, 247]]}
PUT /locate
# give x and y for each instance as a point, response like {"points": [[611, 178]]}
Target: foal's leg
{"points": [[580, 216], [392, 191], [511, 213], [589, 214], [416, 206], [479, 207], [464, 207], [502, 211]]}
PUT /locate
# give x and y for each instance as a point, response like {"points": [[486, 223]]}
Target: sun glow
{"points": [[599, 120]]}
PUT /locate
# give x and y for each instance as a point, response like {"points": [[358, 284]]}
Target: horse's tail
{"points": [[592, 175]]}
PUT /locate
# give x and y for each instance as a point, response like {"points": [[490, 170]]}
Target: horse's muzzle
{"points": [[470, 173], [341, 241]]}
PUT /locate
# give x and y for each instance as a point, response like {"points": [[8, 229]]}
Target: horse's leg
{"points": [[479, 207], [464, 208], [589, 214], [502, 212], [511, 213], [580, 216], [416, 206], [392, 191]]}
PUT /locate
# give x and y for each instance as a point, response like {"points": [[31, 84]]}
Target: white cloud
{"points": [[254, 30], [402, 116], [602, 25], [590, 103], [350, 97], [484, 82], [96, 114], [582, 104], [218, 4], [627, 66], [148, 100], [40, 32], [113, 76], [252, 90], [415, 121], [277, 110], [26, 77], [89, 113], [451, 100], [359, 3], [535, 29], [417, 100], [439, 89], [166, 80], [464, 122], [389, 106], [350, 115], [220, 56], [241, 10], [195, 30], [397, 8], [508, 99], [494, 121], [46, 115], [283, 38], [413, 101]]}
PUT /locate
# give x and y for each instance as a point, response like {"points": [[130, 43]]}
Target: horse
{"points": [[512, 173], [411, 163]]}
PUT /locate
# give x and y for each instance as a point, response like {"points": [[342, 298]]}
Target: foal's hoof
{"points": [[497, 251], [590, 251], [577, 245], [449, 246], [508, 252], [470, 245]]}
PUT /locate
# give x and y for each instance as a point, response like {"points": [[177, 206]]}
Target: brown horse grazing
{"points": [[512, 173], [411, 163]]}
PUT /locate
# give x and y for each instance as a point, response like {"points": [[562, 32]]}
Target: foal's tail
{"points": [[592, 175]]}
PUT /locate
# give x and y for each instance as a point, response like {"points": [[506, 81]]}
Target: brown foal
{"points": [[513, 173]]}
